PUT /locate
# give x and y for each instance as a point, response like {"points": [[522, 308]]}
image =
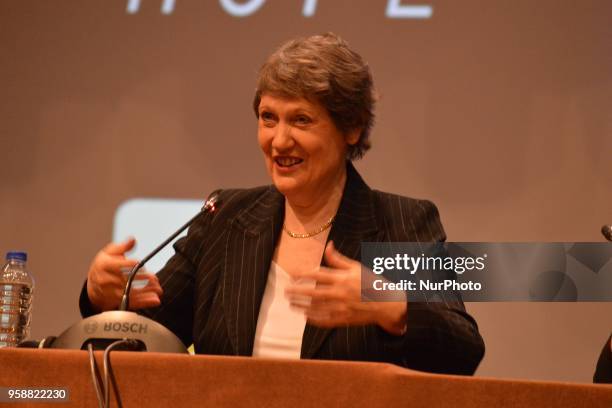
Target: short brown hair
{"points": [[324, 68]]}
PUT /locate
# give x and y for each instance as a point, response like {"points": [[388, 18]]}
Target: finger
{"points": [[318, 293], [298, 306], [320, 307], [146, 291], [144, 300], [145, 277], [120, 248], [117, 264], [153, 281], [143, 292], [323, 275], [151, 287], [335, 259]]}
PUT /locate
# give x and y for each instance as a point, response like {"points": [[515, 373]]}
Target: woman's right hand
{"points": [[106, 281]]}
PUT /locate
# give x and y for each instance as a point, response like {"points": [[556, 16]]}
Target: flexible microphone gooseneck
{"points": [[209, 207], [606, 230]]}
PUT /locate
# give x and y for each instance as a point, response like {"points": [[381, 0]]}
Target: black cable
{"points": [[95, 375], [108, 369], [113, 384]]}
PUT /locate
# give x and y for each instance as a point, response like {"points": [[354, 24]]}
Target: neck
{"points": [[308, 213]]}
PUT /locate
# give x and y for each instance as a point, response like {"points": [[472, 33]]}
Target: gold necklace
{"points": [[319, 230]]}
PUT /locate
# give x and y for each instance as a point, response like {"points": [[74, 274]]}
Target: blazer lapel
{"points": [[355, 223], [249, 248]]}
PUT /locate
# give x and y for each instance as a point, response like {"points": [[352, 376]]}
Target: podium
{"points": [[172, 380]]}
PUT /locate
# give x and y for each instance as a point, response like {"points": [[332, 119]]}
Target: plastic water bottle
{"points": [[16, 288]]}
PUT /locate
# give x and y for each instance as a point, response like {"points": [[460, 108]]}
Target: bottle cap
{"points": [[20, 256]]}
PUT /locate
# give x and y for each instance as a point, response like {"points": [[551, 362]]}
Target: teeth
{"points": [[287, 161]]}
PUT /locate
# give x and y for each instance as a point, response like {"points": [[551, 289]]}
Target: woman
{"points": [[274, 271]]}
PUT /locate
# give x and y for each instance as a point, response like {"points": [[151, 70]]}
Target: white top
{"points": [[279, 327]]}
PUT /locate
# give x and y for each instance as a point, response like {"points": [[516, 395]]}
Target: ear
{"points": [[352, 137]]}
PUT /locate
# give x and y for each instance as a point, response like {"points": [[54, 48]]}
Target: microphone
{"points": [[606, 230], [105, 328], [209, 206]]}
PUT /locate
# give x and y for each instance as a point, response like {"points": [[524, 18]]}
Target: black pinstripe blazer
{"points": [[214, 284]]}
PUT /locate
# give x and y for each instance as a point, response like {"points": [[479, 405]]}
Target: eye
{"points": [[267, 118], [302, 120]]}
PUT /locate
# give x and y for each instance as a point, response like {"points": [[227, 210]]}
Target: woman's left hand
{"points": [[336, 299]]}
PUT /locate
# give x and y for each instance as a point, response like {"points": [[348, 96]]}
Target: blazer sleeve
{"points": [[441, 337]]}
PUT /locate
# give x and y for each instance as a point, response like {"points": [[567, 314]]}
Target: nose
{"points": [[283, 139]]}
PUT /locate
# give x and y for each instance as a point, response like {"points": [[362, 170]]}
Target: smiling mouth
{"points": [[287, 161]]}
